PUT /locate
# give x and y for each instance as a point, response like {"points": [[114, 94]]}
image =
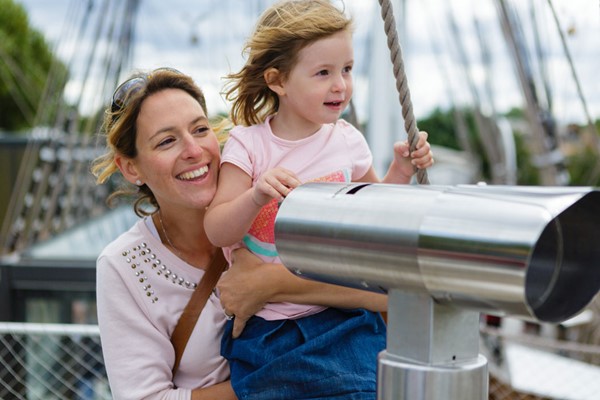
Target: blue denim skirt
{"points": [[332, 355]]}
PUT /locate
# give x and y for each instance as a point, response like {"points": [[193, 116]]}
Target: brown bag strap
{"points": [[191, 312]]}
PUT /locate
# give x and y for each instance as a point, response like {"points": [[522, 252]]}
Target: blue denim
{"points": [[332, 354]]}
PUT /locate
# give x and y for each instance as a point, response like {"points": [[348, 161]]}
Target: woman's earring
{"points": [[138, 182]]}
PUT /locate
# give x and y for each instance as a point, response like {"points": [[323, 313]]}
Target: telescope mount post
{"points": [[432, 352]]}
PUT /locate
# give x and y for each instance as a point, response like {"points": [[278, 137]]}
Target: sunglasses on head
{"points": [[132, 86]]}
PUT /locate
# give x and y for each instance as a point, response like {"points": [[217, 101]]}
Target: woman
{"points": [[159, 138]]}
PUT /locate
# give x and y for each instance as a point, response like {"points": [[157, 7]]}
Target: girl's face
{"points": [[178, 153], [319, 86]]}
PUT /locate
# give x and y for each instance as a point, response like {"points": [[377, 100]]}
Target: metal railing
{"points": [[64, 361], [51, 362]]}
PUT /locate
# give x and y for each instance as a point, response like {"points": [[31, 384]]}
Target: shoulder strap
{"points": [[191, 313]]}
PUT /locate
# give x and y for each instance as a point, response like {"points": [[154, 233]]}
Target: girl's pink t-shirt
{"points": [[335, 153]]}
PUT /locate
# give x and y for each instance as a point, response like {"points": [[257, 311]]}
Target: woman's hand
{"points": [[250, 283], [244, 289]]}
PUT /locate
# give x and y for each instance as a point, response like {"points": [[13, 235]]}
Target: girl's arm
{"points": [[401, 168], [250, 284], [236, 203], [232, 210]]}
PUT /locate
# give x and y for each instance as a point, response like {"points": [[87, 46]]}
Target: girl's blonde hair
{"points": [[120, 130], [281, 32]]}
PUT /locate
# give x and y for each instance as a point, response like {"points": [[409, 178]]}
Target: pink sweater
{"points": [[142, 289]]}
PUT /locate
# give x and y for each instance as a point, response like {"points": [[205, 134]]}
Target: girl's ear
{"points": [[274, 81], [128, 169]]}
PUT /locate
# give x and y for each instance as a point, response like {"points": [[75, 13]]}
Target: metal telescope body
{"points": [[444, 254]]}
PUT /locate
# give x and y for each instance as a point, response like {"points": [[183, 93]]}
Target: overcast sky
{"points": [[204, 38]]}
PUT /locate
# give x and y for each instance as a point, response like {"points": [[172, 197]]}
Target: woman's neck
{"points": [[185, 238]]}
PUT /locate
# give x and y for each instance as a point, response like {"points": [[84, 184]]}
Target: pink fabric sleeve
{"points": [[359, 150], [237, 152]]}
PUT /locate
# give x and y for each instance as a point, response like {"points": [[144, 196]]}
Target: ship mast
{"points": [[547, 155]]}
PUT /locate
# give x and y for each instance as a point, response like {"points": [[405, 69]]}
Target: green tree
{"points": [[582, 161], [440, 124], [26, 64], [527, 173]]}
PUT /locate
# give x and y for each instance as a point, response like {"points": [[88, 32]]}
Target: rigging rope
{"points": [[410, 124]]}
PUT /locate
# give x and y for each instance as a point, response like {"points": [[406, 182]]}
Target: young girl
{"points": [[287, 102]]}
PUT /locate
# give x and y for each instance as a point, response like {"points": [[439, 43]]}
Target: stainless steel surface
{"points": [[523, 251], [432, 351], [422, 331], [398, 380]]}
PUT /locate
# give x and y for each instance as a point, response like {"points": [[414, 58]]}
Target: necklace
{"points": [[164, 231]]}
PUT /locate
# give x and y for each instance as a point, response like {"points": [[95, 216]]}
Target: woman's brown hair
{"points": [[120, 129]]}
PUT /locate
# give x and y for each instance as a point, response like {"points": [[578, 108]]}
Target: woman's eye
{"points": [[165, 142], [203, 130]]}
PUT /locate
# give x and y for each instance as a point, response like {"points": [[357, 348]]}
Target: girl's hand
{"points": [[421, 158], [276, 183]]}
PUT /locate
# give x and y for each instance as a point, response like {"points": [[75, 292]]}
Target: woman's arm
{"points": [[250, 284], [138, 352], [137, 355], [221, 391]]}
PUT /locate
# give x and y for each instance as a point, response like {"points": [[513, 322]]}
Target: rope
{"points": [[410, 124]]}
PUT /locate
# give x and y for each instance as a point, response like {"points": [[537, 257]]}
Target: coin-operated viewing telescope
{"points": [[444, 254]]}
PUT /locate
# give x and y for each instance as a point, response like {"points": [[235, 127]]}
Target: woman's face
{"points": [[178, 153]]}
